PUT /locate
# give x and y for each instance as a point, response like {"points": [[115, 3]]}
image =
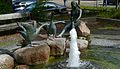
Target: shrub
{"points": [[5, 8], [38, 12], [114, 13], [93, 10], [106, 12]]}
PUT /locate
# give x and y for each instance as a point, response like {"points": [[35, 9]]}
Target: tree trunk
{"points": [[117, 3], [105, 2], [96, 3], [78, 2]]}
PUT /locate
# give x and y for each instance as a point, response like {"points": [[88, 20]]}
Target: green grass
{"points": [[96, 8], [103, 64], [52, 60], [106, 28], [8, 40], [8, 43], [105, 12], [103, 56], [114, 13]]}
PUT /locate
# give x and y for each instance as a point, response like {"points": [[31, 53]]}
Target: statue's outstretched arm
{"points": [[20, 25], [64, 30], [35, 24], [80, 14], [39, 28]]}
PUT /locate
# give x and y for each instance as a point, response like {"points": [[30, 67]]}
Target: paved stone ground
{"points": [[106, 38]]}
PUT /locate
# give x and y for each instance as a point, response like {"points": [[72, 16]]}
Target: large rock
{"points": [[6, 62], [83, 30], [57, 46], [82, 44], [37, 54]]}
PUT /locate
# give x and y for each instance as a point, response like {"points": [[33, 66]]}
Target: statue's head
{"points": [[73, 4]]}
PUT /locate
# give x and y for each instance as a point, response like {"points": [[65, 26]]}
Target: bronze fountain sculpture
{"points": [[76, 13], [29, 32]]}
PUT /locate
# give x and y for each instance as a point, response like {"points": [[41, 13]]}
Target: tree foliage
{"points": [[5, 7], [38, 13]]}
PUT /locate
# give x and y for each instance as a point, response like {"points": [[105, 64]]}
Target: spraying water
{"points": [[73, 60]]}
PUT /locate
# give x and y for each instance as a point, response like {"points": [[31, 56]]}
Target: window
{"points": [[49, 6]]}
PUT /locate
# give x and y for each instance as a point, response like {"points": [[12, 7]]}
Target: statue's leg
{"points": [[35, 24], [21, 26], [64, 30], [77, 23], [80, 14]]}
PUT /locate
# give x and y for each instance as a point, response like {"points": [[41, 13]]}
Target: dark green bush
{"points": [[116, 14], [39, 14], [113, 13], [5, 8], [106, 12], [89, 11]]}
